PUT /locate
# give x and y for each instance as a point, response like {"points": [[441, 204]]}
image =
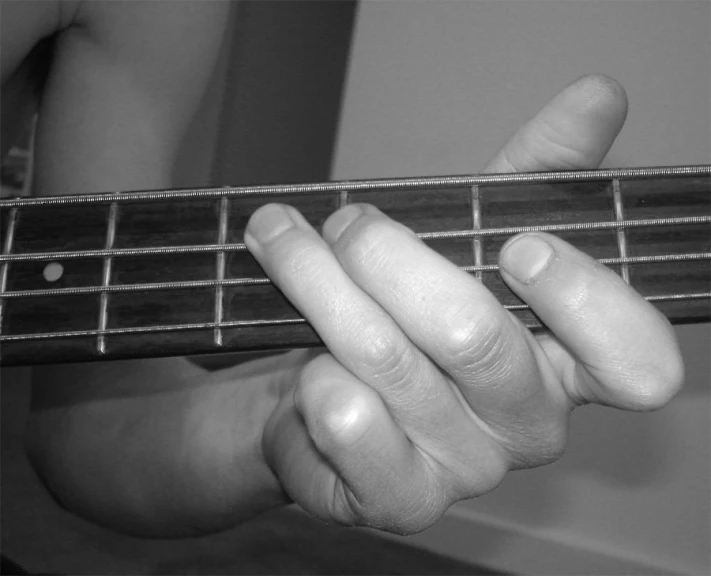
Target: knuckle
{"points": [[551, 447], [475, 341], [412, 508], [405, 517], [532, 450], [386, 356]]}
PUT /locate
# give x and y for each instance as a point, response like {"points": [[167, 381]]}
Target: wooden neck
{"points": [[158, 273]]}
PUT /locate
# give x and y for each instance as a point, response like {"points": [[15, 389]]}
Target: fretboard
{"points": [[162, 273]]}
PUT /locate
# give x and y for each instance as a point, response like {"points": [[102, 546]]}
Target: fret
{"points": [[106, 278], [477, 243], [177, 278], [220, 270], [621, 234], [6, 249]]}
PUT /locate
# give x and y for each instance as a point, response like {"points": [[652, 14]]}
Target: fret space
{"points": [[670, 198], [250, 303], [4, 221], [160, 308], [50, 314], [314, 207], [647, 199], [43, 229], [162, 268], [30, 275], [182, 343], [242, 265], [428, 210], [259, 303], [153, 224]]}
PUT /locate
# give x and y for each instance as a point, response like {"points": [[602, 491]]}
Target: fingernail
{"points": [[338, 222], [269, 222], [525, 257]]}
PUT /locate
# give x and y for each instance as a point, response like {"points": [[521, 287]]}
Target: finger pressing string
{"points": [[626, 354]]}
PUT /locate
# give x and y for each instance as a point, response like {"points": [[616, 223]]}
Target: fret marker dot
{"points": [[53, 271]]}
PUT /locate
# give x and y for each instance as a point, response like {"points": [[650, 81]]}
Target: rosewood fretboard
{"points": [[138, 274]]}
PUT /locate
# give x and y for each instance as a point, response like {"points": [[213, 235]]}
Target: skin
{"points": [[428, 393]]}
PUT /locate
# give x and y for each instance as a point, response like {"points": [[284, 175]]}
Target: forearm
{"points": [[161, 447]]}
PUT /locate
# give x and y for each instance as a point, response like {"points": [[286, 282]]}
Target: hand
{"points": [[430, 391]]}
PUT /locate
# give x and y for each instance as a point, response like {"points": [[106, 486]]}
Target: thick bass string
{"points": [[155, 273]]}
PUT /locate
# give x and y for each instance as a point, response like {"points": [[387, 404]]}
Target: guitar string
{"points": [[259, 323], [443, 235], [360, 185], [257, 281]]}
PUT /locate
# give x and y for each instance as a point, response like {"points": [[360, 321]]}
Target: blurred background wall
{"points": [[435, 87]]}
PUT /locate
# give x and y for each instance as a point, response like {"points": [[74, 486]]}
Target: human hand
{"points": [[430, 391]]}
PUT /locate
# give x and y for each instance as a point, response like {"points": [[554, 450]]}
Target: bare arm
{"points": [[152, 447]]}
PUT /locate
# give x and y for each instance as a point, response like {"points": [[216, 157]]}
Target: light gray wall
{"points": [[435, 87]]}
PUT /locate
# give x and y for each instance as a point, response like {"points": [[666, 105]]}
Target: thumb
{"points": [[573, 131]]}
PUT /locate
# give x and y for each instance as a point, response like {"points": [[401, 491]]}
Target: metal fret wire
{"points": [[445, 235], [477, 244], [226, 282], [6, 249], [380, 184], [220, 271], [258, 323], [106, 278], [621, 234]]}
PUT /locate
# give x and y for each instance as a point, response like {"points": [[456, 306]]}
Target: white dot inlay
{"points": [[53, 271]]}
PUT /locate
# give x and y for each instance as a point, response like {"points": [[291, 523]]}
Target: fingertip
{"points": [[661, 378], [573, 131], [597, 93], [525, 257]]}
